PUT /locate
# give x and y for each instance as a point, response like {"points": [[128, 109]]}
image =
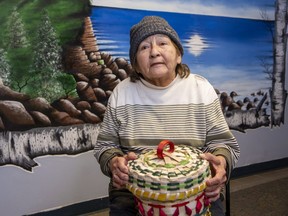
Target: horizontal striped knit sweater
{"points": [[187, 111]]}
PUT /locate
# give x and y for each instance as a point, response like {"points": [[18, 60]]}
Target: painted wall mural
{"points": [[59, 67]]}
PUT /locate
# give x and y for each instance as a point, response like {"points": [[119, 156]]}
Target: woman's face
{"points": [[156, 59]]}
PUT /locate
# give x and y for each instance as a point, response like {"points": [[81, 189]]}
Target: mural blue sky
{"points": [[223, 40], [229, 8]]}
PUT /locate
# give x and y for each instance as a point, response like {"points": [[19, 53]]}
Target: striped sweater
{"points": [[187, 111]]}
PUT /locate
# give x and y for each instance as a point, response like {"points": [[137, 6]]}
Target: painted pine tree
{"points": [[46, 64], [17, 37]]}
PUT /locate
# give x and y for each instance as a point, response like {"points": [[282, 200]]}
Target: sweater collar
{"points": [[149, 85]]}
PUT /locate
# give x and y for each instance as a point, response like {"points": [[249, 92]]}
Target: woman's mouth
{"points": [[156, 64]]}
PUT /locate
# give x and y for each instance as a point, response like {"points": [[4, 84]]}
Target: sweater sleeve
{"points": [[107, 145], [219, 138]]}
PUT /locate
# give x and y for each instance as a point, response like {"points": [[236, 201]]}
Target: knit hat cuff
{"points": [[148, 26]]}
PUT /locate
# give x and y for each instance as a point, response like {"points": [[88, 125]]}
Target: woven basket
{"points": [[170, 182]]}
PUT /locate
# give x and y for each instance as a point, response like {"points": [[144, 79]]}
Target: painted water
{"points": [[229, 52]]}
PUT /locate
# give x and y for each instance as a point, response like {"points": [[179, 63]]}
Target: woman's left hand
{"points": [[218, 180]]}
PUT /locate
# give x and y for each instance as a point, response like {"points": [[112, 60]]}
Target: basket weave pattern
{"points": [[171, 185]]}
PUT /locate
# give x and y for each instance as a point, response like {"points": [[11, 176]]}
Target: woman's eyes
{"points": [[160, 43]]}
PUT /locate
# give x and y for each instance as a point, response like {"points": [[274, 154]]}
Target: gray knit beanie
{"points": [[148, 26]]}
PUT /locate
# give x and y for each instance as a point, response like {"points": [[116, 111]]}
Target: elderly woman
{"points": [[162, 100]]}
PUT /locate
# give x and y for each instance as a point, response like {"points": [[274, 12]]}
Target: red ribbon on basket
{"points": [[140, 206], [161, 147], [187, 209], [151, 210], [206, 201], [199, 204]]}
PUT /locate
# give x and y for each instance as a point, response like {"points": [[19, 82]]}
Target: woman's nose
{"points": [[154, 51]]}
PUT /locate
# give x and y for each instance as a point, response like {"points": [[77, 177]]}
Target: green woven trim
{"points": [[171, 186]]}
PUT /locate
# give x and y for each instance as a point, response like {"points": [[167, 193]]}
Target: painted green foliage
{"points": [[31, 46], [17, 36], [46, 63]]}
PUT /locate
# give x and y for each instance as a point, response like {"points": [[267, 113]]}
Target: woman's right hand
{"points": [[119, 169]]}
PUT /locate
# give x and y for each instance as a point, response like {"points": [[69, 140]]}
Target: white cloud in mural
{"points": [[242, 9], [196, 45]]}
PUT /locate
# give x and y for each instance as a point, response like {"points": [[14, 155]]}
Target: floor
{"points": [[235, 184]]}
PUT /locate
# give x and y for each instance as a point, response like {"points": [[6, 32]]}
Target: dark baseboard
{"points": [[102, 203], [259, 167]]}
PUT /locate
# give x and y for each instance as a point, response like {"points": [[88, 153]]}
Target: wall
{"points": [[263, 145], [58, 181], [64, 180]]}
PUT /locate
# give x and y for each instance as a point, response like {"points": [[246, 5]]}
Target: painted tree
{"points": [[278, 92], [46, 63], [4, 67], [266, 61], [17, 37], [21, 147]]}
